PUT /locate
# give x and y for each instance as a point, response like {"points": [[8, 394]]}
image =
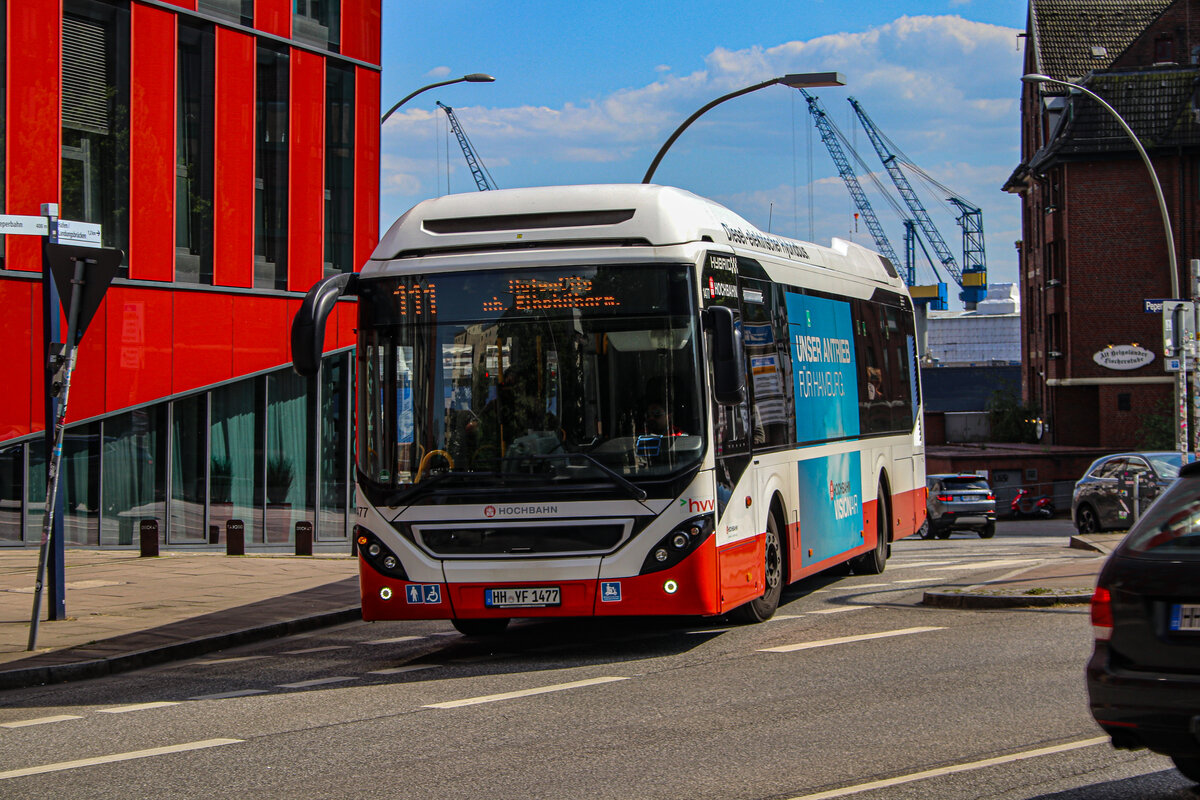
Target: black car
{"points": [[1144, 674], [1104, 498], [959, 502]]}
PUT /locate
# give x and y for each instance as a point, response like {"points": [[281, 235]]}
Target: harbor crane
{"points": [[972, 277], [483, 178]]}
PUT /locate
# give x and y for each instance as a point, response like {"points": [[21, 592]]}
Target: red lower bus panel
{"points": [[388, 598], [693, 580], [742, 572]]}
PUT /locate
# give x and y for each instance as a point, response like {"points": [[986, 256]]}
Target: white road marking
{"points": [[988, 564], [316, 682], [710, 630], [394, 640], [492, 698], [917, 580], [316, 649], [91, 762], [225, 695], [398, 670], [230, 660], [920, 564], [136, 707], [839, 609], [971, 765], [778, 617], [789, 648], [25, 723], [868, 586]]}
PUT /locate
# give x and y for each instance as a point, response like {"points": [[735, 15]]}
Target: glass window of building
{"points": [[289, 441], [79, 484], [95, 123], [239, 11], [189, 470], [134, 474], [12, 493], [235, 484], [339, 168], [194, 154], [317, 22], [271, 166]]}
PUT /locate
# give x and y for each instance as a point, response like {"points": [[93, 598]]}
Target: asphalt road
{"points": [[853, 690]]}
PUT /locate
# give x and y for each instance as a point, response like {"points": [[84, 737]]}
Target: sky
{"points": [[587, 92]]}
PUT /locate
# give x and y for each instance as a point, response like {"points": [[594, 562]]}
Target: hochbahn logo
{"points": [[518, 511]]}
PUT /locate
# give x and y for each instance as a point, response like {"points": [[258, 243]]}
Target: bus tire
{"points": [[480, 627], [763, 608], [874, 562]]}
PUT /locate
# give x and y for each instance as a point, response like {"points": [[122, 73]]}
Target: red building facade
{"points": [[230, 148], [1094, 246]]}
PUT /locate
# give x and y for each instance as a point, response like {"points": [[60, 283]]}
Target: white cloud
{"points": [[943, 88], [438, 72]]}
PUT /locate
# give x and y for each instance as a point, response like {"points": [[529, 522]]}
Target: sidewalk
{"points": [[1069, 581], [125, 612]]}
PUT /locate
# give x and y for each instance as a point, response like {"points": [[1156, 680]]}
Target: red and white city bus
{"points": [[619, 400]]}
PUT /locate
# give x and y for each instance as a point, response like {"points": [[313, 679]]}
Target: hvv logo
{"points": [[697, 505]]}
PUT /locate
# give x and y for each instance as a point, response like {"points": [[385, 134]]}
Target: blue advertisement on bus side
{"points": [[831, 520], [825, 379]]}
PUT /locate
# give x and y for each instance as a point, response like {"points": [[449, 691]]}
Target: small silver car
{"points": [[959, 502]]}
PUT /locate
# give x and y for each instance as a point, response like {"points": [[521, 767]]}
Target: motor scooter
{"points": [[1025, 505]]}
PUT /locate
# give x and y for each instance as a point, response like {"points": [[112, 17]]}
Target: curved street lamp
{"points": [[803, 80], [474, 77], [1158, 192]]}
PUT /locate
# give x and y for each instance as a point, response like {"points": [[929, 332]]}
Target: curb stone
{"points": [[39, 675]]}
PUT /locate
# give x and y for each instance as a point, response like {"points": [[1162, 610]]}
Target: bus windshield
{"points": [[517, 377]]}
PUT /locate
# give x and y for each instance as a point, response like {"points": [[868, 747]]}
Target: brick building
{"points": [[230, 148], [1094, 245]]}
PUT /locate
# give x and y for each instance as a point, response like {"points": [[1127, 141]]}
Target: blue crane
{"points": [[829, 137], [973, 276], [483, 178]]}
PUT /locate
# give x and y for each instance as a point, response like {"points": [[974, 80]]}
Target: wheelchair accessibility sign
{"points": [[610, 591], [424, 594]]}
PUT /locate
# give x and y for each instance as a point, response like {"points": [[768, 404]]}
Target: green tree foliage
{"points": [[1012, 420]]}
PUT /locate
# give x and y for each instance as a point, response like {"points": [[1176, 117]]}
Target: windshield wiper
{"points": [[412, 491], [632, 489]]}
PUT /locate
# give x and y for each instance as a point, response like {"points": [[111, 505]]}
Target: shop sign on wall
{"points": [[1123, 357]]}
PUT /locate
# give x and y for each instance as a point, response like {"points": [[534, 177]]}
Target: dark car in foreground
{"points": [[959, 502], [1143, 678], [1105, 497]]}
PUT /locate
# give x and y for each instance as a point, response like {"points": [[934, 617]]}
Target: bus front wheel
{"points": [[763, 608]]}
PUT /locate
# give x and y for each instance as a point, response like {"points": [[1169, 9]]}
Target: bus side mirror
{"points": [[308, 326], [728, 358]]}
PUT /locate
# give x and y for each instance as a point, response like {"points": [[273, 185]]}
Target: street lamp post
{"points": [[804, 80], [474, 77], [1181, 427]]}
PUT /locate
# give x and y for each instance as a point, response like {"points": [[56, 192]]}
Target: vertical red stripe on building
{"points": [[274, 16], [366, 165], [233, 171], [16, 324], [152, 143], [361, 29], [190, 5], [33, 152], [306, 171]]}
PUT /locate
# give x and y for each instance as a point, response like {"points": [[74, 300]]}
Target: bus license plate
{"points": [[1185, 617], [525, 597]]}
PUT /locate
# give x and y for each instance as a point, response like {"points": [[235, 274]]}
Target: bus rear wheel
{"points": [[874, 562], [480, 627], [763, 608]]}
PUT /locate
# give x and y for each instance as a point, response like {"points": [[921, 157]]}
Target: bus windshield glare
{"points": [[567, 375]]}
